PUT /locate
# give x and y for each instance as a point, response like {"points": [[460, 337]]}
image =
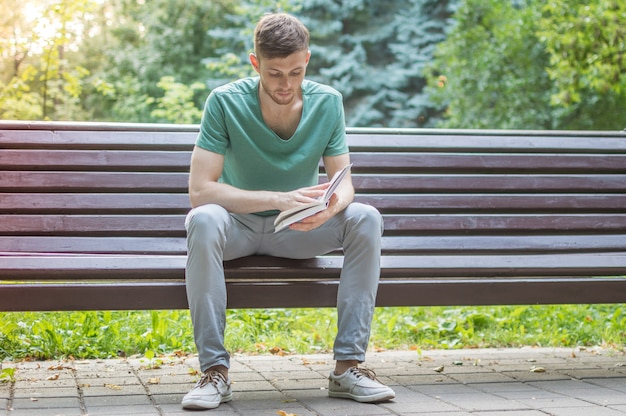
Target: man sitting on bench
{"points": [[257, 153]]}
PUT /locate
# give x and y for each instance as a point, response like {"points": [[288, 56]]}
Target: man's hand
{"points": [[302, 196], [314, 221]]}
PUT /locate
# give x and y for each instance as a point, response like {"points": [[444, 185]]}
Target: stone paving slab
{"points": [[480, 382]]}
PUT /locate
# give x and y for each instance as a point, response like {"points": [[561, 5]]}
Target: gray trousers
{"points": [[214, 235]]}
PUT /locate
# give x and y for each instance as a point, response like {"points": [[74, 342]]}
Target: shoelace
{"points": [[212, 377], [363, 372]]}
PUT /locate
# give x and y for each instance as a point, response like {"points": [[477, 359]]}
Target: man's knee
{"points": [[206, 221], [365, 218]]}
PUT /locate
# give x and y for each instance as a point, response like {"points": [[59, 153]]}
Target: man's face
{"points": [[281, 78]]}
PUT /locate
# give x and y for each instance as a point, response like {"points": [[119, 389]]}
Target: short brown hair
{"points": [[278, 35]]}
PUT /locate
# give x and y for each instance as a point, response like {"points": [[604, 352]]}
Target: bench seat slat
{"points": [[85, 267], [434, 292], [390, 245]]}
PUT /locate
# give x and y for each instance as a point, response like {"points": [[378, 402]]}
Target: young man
{"points": [[257, 153]]}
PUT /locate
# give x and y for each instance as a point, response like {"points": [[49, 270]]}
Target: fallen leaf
{"points": [[457, 362], [154, 380], [113, 386], [54, 377], [277, 351], [58, 367], [439, 369], [534, 369], [283, 413]]}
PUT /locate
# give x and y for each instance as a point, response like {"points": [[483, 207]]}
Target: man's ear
{"points": [[308, 56], [255, 62]]}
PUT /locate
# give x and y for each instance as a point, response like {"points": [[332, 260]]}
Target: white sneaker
{"points": [[209, 392], [359, 384]]}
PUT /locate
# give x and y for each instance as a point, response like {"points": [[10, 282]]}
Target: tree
{"points": [[587, 47], [177, 105], [373, 52], [42, 81], [489, 72], [146, 43], [497, 69]]}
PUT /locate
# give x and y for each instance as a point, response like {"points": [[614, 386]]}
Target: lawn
{"points": [[103, 334]]}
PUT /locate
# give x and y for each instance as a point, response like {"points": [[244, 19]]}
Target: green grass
{"points": [[105, 334]]}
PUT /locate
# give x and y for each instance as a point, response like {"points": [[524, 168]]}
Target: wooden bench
{"points": [[91, 218]]}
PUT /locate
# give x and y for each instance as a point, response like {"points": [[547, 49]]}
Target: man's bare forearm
{"points": [[234, 200]]}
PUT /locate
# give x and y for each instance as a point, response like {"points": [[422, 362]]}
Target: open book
{"points": [[288, 217]]}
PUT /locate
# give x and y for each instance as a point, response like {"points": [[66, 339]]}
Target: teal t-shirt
{"points": [[255, 157]]}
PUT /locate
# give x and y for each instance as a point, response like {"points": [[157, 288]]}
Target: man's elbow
{"points": [[195, 199]]}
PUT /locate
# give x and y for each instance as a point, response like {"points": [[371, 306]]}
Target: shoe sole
{"points": [[376, 398], [200, 404]]}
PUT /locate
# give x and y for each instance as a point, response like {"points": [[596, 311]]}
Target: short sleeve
{"points": [[213, 135]]}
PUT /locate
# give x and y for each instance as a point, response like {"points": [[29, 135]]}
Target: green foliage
{"points": [[39, 44], [282, 331], [374, 53], [92, 334], [7, 375], [523, 65], [490, 70], [17, 101], [587, 46], [177, 105]]}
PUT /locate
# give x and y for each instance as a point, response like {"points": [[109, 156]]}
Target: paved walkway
{"points": [[484, 382]]}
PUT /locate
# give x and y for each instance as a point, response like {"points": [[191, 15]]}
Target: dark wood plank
{"points": [[494, 182], [92, 136], [132, 203], [405, 245], [487, 162], [94, 160], [93, 225], [164, 203], [90, 160], [136, 135], [489, 142], [466, 204], [509, 224], [141, 182], [155, 267], [81, 182], [173, 225], [171, 295], [94, 245]]}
